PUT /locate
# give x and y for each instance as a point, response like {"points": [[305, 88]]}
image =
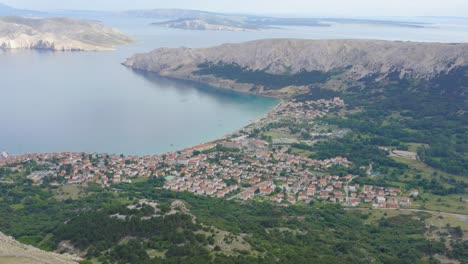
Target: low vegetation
{"points": [[183, 228], [263, 78]]}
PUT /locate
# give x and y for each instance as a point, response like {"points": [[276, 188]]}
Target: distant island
{"points": [[208, 24], [269, 67], [203, 20], [11, 11], [61, 34]]}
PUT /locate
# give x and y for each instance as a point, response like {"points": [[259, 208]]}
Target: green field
{"points": [[301, 152], [425, 171], [274, 134], [71, 191]]}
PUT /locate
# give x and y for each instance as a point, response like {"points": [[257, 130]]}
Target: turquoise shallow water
{"points": [[88, 101]]}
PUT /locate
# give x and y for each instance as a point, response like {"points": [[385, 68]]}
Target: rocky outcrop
{"points": [[63, 34], [14, 252], [355, 59]]}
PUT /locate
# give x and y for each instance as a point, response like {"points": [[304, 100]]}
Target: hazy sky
{"points": [[314, 7]]}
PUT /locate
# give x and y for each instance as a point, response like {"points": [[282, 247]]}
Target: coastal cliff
{"points": [[303, 62], [64, 34]]}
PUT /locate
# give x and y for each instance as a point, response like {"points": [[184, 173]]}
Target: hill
{"points": [[248, 66], [12, 251], [58, 34]]}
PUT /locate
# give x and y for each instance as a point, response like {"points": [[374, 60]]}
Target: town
{"points": [[244, 165]]}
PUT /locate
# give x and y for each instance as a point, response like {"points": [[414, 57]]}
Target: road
{"points": [[346, 188], [460, 216]]}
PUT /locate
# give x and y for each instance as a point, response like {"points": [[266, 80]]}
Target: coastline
{"points": [[244, 156], [253, 122], [198, 83], [212, 141]]}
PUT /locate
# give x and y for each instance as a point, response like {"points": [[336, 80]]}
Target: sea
{"points": [[87, 101]]}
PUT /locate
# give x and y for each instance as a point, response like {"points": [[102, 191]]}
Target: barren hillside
{"points": [[58, 34], [353, 59], [13, 252]]}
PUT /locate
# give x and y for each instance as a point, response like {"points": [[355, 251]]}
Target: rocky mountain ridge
{"points": [[354, 59], [64, 34]]}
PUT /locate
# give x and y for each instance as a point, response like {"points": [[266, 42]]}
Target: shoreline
{"points": [[223, 137], [253, 122], [196, 85], [199, 83], [258, 164]]}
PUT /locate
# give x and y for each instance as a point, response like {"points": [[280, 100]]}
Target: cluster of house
{"points": [[78, 168], [204, 173], [306, 189], [308, 109], [238, 166], [257, 160], [384, 196], [215, 187], [289, 189], [261, 188], [7, 160]]}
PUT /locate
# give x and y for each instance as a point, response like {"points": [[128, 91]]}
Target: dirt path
{"points": [[346, 188]]}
